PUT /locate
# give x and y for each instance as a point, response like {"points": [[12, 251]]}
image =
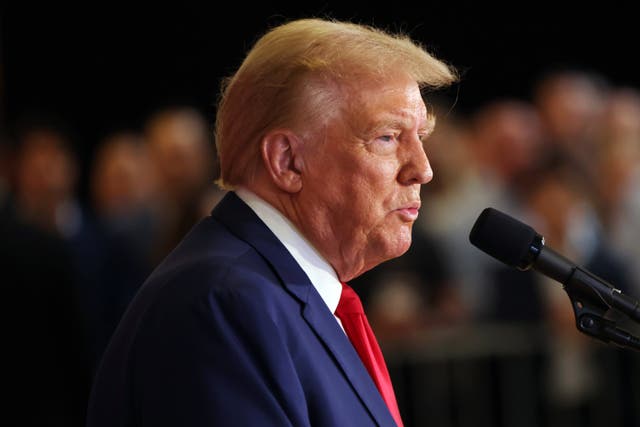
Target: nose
{"points": [[416, 168]]}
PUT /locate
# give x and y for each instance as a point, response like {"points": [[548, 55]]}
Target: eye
{"points": [[387, 138], [383, 144]]}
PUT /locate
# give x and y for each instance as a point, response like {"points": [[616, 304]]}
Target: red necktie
{"points": [[356, 325]]}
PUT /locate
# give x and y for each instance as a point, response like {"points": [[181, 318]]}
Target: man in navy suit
{"points": [[320, 141]]}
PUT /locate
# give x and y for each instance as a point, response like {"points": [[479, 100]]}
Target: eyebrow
{"points": [[397, 121]]}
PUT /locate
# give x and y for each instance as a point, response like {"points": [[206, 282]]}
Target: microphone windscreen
{"points": [[501, 236]]}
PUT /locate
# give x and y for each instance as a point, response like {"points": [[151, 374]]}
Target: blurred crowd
{"points": [[69, 265], [566, 161]]}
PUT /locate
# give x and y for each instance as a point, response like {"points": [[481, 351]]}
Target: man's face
{"points": [[362, 175]]}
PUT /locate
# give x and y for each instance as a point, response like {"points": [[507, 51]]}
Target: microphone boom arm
{"points": [[591, 297], [592, 322]]}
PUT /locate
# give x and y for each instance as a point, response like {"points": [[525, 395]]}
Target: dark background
{"points": [[101, 68]]}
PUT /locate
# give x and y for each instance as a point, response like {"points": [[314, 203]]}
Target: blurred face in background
{"points": [[362, 175], [45, 176], [180, 153], [508, 137], [120, 176], [571, 105]]}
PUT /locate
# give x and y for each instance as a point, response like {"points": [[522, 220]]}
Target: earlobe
{"points": [[282, 161]]}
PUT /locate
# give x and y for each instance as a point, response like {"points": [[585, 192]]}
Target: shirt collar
{"points": [[318, 270]]}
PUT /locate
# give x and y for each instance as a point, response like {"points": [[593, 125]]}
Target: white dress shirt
{"points": [[318, 270]]}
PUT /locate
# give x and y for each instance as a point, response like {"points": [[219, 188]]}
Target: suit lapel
{"points": [[335, 340], [245, 224]]}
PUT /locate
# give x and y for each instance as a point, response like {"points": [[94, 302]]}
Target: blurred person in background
{"points": [[46, 370], [618, 161], [482, 160], [121, 183], [47, 361], [571, 103], [46, 176], [122, 201], [45, 197], [183, 166], [507, 139], [618, 204]]}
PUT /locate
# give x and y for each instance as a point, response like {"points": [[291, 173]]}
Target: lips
{"points": [[409, 212]]}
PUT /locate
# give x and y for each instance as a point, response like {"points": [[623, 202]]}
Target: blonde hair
{"points": [[289, 75]]}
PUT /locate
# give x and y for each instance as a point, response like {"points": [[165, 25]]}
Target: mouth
{"points": [[409, 212]]}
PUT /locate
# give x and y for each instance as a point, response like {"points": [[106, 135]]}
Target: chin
{"points": [[399, 246], [403, 248], [384, 246]]}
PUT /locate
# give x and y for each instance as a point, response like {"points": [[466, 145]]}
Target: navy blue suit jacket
{"points": [[229, 331]]}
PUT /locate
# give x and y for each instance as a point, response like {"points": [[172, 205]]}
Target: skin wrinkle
{"points": [[352, 182]]}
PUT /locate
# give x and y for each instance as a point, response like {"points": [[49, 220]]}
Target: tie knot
{"points": [[349, 302]]}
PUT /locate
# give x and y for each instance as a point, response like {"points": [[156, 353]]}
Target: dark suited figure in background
{"points": [[122, 203], [45, 196], [320, 140], [46, 366]]}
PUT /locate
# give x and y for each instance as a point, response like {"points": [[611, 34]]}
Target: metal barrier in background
{"points": [[513, 376]]}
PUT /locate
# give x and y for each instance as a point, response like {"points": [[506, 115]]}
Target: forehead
{"points": [[399, 100]]}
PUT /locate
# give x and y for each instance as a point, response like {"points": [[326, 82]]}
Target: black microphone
{"points": [[519, 245]]}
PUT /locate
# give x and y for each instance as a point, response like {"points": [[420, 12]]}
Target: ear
{"points": [[282, 159]]}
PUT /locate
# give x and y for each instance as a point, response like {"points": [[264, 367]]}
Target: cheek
{"points": [[371, 201], [377, 184], [359, 189]]}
